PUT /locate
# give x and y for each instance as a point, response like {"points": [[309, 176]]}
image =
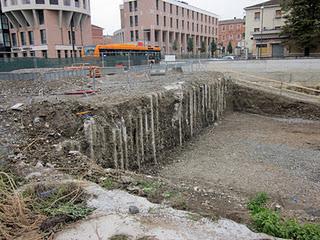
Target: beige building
{"points": [[48, 28], [167, 24], [263, 28]]}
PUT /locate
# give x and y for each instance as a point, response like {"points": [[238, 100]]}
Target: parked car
{"points": [[228, 58]]}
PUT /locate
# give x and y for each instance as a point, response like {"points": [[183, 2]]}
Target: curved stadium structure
{"points": [[48, 28]]}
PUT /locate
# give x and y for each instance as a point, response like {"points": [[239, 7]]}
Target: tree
{"points": [[213, 47], [203, 47], [190, 45], [229, 48], [175, 45], [302, 25]]}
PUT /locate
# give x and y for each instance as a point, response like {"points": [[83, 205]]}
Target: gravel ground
{"points": [[247, 154]]}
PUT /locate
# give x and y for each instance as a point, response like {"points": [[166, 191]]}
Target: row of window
{"points": [[30, 40], [232, 37], [76, 3], [231, 27], [278, 15], [198, 28], [180, 11]]}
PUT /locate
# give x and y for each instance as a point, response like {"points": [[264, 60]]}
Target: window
{"points": [[197, 16], [257, 16], [6, 39], [257, 30], [24, 54], [164, 21], [188, 13], [131, 21], [201, 17], [59, 53], [135, 5], [76, 3], [164, 6], [193, 15], [66, 54], [277, 28], [170, 8], [157, 19], [44, 53], [67, 2], [55, 2], [197, 27], [136, 20], [5, 23], [188, 25], [177, 23], [84, 4], [40, 17], [278, 14], [182, 12], [32, 54], [14, 2], [177, 10], [40, 1], [31, 37], [43, 36], [130, 6], [137, 35], [157, 4], [131, 36], [193, 27], [14, 39], [182, 24], [171, 22]]}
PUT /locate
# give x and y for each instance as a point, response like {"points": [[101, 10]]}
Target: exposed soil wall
{"points": [[127, 135], [253, 100], [138, 132]]}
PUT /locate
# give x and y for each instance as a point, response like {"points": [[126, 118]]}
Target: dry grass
{"points": [[17, 220]]}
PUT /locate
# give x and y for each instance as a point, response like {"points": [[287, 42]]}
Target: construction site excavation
{"points": [[188, 150]]}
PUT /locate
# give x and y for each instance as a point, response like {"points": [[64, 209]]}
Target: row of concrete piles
{"points": [[136, 133]]}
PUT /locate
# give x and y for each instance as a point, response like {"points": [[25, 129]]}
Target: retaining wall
{"points": [[138, 132]]}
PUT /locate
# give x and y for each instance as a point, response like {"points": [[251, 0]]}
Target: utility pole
{"points": [[261, 30]]}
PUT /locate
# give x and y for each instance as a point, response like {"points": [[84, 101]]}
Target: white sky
{"points": [[106, 13]]}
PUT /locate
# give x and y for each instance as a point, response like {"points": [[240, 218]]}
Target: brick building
{"points": [[167, 24], [48, 28], [233, 31], [97, 35]]}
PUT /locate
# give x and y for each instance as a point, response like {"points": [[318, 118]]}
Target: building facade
{"points": [[48, 28], [5, 43], [168, 24], [263, 28], [97, 35], [231, 31]]}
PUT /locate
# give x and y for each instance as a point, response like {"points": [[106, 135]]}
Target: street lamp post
{"points": [[261, 29]]}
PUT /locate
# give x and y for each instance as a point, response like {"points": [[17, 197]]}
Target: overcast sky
{"points": [[105, 13]]}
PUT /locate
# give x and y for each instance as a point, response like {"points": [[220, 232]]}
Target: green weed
{"points": [[270, 222]]}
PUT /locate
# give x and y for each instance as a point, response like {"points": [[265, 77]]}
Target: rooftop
{"points": [[265, 4], [231, 21]]}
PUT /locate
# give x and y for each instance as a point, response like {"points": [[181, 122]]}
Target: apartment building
{"points": [[232, 30], [48, 28], [263, 28], [5, 43], [167, 24]]}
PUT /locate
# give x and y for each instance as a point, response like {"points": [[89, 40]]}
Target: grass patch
{"points": [[149, 187], [108, 184], [270, 222]]}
